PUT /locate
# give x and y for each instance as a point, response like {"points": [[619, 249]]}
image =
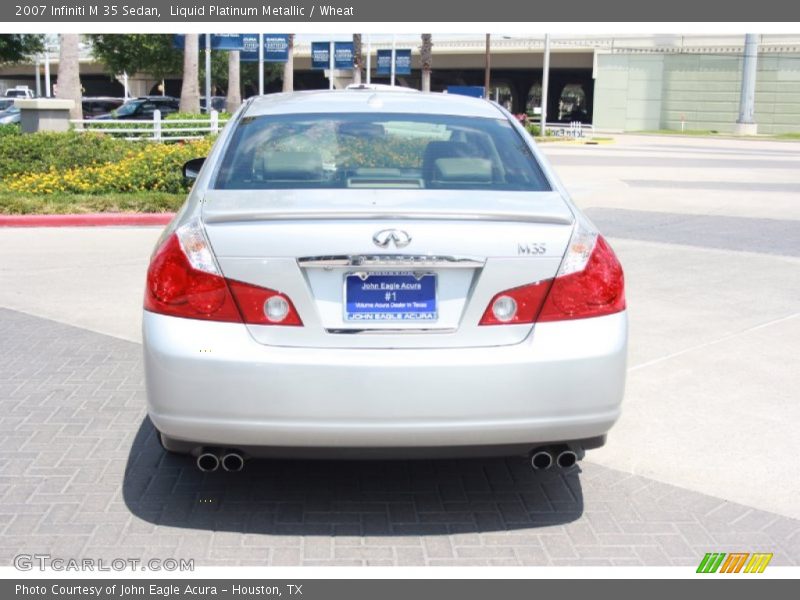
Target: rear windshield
{"points": [[354, 150]]}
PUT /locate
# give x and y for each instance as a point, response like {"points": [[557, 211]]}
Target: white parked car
{"points": [[368, 273]]}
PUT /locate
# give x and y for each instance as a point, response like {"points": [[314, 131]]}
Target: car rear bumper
{"points": [[212, 383]]}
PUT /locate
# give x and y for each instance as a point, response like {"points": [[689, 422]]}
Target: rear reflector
{"points": [[183, 280], [255, 303], [528, 299]]}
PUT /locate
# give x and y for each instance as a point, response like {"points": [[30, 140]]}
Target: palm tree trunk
{"points": [[357, 59], [288, 67], [234, 99], [426, 58], [190, 87], [69, 80]]}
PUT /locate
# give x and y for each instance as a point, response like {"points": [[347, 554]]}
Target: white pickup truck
{"points": [[20, 91]]}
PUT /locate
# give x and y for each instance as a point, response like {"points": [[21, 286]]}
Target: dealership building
{"points": [[617, 83]]}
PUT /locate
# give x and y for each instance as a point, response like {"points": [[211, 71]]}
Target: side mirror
{"points": [[191, 168]]}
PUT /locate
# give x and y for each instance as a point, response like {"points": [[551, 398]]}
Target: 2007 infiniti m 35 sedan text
{"points": [[370, 273]]}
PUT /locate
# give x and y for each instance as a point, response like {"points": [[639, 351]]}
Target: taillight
{"points": [[176, 288], [596, 290], [183, 280], [589, 283]]}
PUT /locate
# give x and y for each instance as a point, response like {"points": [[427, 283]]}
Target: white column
{"points": [[47, 86], [369, 59], [38, 79], [394, 50], [260, 64], [330, 65]]}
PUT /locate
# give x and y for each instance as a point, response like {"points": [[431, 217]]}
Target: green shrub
{"points": [[10, 129], [45, 151], [146, 167]]}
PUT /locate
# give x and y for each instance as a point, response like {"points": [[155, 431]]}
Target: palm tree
{"points": [[69, 80], [288, 67], [357, 58], [190, 88], [426, 58], [234, 99]]}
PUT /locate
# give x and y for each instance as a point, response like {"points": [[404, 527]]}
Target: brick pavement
{"points": [[82, 475]]}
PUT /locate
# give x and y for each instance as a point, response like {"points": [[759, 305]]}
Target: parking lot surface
{"points": [[703, 459]]}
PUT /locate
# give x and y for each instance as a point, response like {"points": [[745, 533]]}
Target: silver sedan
{"points": [[370, 273]]}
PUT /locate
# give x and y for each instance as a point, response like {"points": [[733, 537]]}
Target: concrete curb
{"points": [[86, 220]]}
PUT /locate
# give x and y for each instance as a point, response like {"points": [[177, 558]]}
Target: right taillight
{"points": [[589, 283], [595, 290]]}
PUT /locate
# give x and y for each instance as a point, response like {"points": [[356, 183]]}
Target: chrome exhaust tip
{"points": [[541, 460], [233, 462], [208, 462], [566, 459]]}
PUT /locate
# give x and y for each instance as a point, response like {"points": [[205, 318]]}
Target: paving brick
{"points": [[82, 474]]}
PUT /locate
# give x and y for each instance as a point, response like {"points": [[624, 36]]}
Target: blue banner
{"points": [[384, 62], [227, 41], [223, 41], [276, 47], [476, 91], [343, 55], [402, 62], [320, 55]]}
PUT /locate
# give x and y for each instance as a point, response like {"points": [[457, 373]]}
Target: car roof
{"points": [[371, 100]]}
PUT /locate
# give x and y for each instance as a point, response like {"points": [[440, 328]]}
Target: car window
{"points": [[128, 109], [355, 150]]}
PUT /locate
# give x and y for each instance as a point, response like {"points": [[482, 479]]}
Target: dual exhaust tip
{"points": [[232, 461], [210, 460], [544, 458]]}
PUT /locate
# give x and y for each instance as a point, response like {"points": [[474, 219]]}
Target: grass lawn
{"points": [[13, 203], [712, 133], [679, 132]]}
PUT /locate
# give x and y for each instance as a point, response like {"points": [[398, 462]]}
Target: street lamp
{"points": [[488, 75]]}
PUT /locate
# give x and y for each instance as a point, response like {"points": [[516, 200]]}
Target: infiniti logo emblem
{"points": [[398, 237]]}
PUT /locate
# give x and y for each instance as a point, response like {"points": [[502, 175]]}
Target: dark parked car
{"points": [[96, 106], [217, 103], [143, 108]]}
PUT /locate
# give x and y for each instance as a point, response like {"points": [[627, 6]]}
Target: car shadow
{"points": [[379, 498]]}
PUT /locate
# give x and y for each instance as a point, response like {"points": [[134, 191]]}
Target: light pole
{"points": [[487, 79], [545, 82], [394, 52], [208, 73], [746, 123], [260, 64], [369, 59], [47, 86]]}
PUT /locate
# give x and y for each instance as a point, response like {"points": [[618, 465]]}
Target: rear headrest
{"points": [[462, 170], [438, 150], [292, 166]]}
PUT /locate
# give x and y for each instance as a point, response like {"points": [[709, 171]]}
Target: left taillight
{"points": [[183, 280]]}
